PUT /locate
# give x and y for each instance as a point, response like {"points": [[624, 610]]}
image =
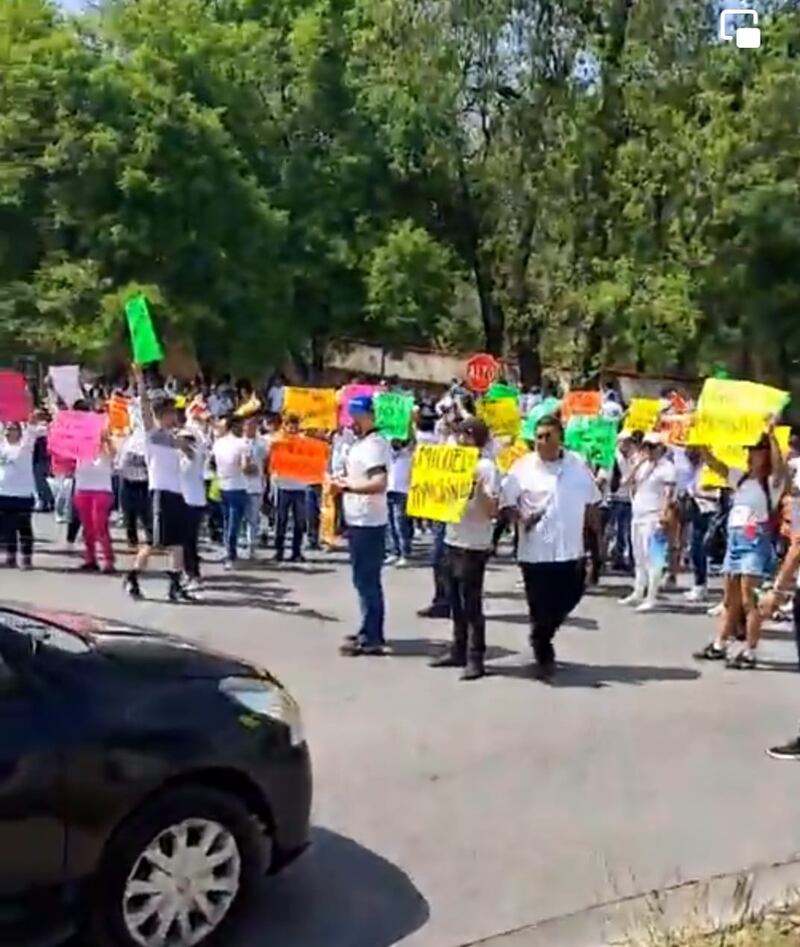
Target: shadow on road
{"points": [[339, 894], [599, 675]]}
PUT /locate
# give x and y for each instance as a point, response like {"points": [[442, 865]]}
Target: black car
{"points": [[146, 785]]}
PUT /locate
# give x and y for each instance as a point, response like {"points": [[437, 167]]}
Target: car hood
{"points": [[164, 656]]}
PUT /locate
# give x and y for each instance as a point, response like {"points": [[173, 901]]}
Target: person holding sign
{"points": [[749, 558], [468, 545], [17, 491], [364, 487], [94, 499], [548, 492], [290, 500], [163, 449]]}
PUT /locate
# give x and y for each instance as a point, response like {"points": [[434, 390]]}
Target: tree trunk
{"points": [[492, 315], [530, 361]]}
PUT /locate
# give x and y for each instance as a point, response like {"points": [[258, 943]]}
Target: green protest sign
{"points": [[595, 439], [498, 391], [146, 347], [393, 413], [548, 406]]}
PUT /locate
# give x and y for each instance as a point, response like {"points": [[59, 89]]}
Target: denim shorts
{"points": [[749, 552]]}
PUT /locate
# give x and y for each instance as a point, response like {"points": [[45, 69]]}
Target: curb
{"points": [[716, 902]]}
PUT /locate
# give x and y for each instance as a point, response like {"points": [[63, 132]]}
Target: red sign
{"points": [[15, 399], [482, 371]]}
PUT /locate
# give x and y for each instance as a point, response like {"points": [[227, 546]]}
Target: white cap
{"points": [[653, 438]]}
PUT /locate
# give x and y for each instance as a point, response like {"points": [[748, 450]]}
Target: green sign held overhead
{"points": [[393, 414], [146, 347], [498, 391], [595, 439]]}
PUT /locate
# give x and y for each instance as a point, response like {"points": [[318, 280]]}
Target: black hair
{"points": [[550, 420]]}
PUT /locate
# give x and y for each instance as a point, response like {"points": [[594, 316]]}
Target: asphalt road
{"points": [[446, 813]]}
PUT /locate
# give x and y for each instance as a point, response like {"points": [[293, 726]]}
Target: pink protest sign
{"points": [[350, 392], [15, 399], [76, 434]]}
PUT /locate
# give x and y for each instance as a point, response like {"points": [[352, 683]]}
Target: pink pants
{"points": [[94, 508]]}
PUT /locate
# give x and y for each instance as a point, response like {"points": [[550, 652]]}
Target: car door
{"points": [[32, 830]]}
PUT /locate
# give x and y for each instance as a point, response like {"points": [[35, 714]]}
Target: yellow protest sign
{"points": [[501, 416], [734, 413], [642, 415], [736, 459], [509, 455], [316, 407], [441, 481]]}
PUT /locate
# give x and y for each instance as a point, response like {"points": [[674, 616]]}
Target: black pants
{"points": [[291, 502], [74, 525], [135, 503], [15, 526], [552, 589], [191, 552], [466, 569]]}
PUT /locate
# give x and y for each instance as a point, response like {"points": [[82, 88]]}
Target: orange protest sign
{"points": [[581, 403], [119, 418], [299, 458], [677, 428]]}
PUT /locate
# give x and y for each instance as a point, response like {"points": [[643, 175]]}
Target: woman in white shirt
{"points": [[94, 498], [749, 558], [652, 480], [17, 491]]}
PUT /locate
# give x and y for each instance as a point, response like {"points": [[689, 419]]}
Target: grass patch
{"points": [[770, 930]]}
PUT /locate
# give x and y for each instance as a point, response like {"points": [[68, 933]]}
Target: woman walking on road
{"points": [[17, 492]]}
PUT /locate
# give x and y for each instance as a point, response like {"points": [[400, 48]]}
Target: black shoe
{"points": [[109, 570], [545, 672], [449, 660], [789, 752], [88, 567], [298, 557], [710, 653], [742, 662], [11, 562], [473, 671], [178, 594], [278, 557], [357, 649], [131, 586], [435, 611]]}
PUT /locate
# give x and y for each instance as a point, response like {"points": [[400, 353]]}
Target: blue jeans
{"points": [[620, 516], [234, 504], [290, 502], [252, 520], [700, 522], [399, 524], [367, 549], [45, 501]]}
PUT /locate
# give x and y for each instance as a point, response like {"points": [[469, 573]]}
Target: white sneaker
{"points": [[228, 566], [696, 594], [645, 607], [390, 560], [632, 599], [402, 563], [716, 610]]}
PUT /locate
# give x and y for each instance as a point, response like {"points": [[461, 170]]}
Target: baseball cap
{"points": [[361, 404]]}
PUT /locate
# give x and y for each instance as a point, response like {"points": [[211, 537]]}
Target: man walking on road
{"points": [[364, 487]]}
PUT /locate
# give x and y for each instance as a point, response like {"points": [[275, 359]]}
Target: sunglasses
{"points": [[545, 436]]}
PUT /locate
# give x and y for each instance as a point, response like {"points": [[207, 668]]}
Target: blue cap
{"points": [[361, 404]]}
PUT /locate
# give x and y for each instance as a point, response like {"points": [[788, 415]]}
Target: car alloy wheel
{"points": [[182, 885]]}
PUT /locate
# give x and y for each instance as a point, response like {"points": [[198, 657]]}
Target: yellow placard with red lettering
{"points": [[642, 415]]}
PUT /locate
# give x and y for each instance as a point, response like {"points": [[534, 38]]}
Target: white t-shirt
{"points": [[749, 503], [16, 466], [163, 461], [400, 471], [256, 450], [652, 482], [229, 454], [561, 490], [93, 475], [367, 453], [474, 531], [275, 399], [193, 475]]}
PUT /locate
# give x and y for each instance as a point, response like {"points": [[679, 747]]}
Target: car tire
{"points": [[195, 810]]}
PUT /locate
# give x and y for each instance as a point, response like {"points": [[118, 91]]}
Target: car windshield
{"points": [[45, 632]]}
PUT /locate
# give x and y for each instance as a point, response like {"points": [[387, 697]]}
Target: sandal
{"points": [[742, 662]]}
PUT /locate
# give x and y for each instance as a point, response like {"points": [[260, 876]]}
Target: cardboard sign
{"points": [[508, 456], [442, 479], [300, 458], [595, 439], [501, 416], [393, 413], [735, 458], [677, 427], [497, 391], [581, 404], [145, 344], [350, 392], [76, 434], [119, 418], [734, 413], [316, 407], [66, 383], [15, 399], [642, 415]]}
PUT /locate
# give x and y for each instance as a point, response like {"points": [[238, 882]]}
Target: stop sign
{"points": [[482, 372]]}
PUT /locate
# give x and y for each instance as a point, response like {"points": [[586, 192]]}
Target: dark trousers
{"points": [[441, 585], [466, 569], [700, 524], [290, 503], [15, 526], [552, 589], [134, 498], [191, 552], [313, 514], [620, 516], [234, 503], [44, 495], [367, 549], [74, 525], [399, 524]]}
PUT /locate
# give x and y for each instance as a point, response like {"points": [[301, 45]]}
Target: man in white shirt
{"points": [[364, 487], [255, 482], [230, 455], [548, 492]]}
